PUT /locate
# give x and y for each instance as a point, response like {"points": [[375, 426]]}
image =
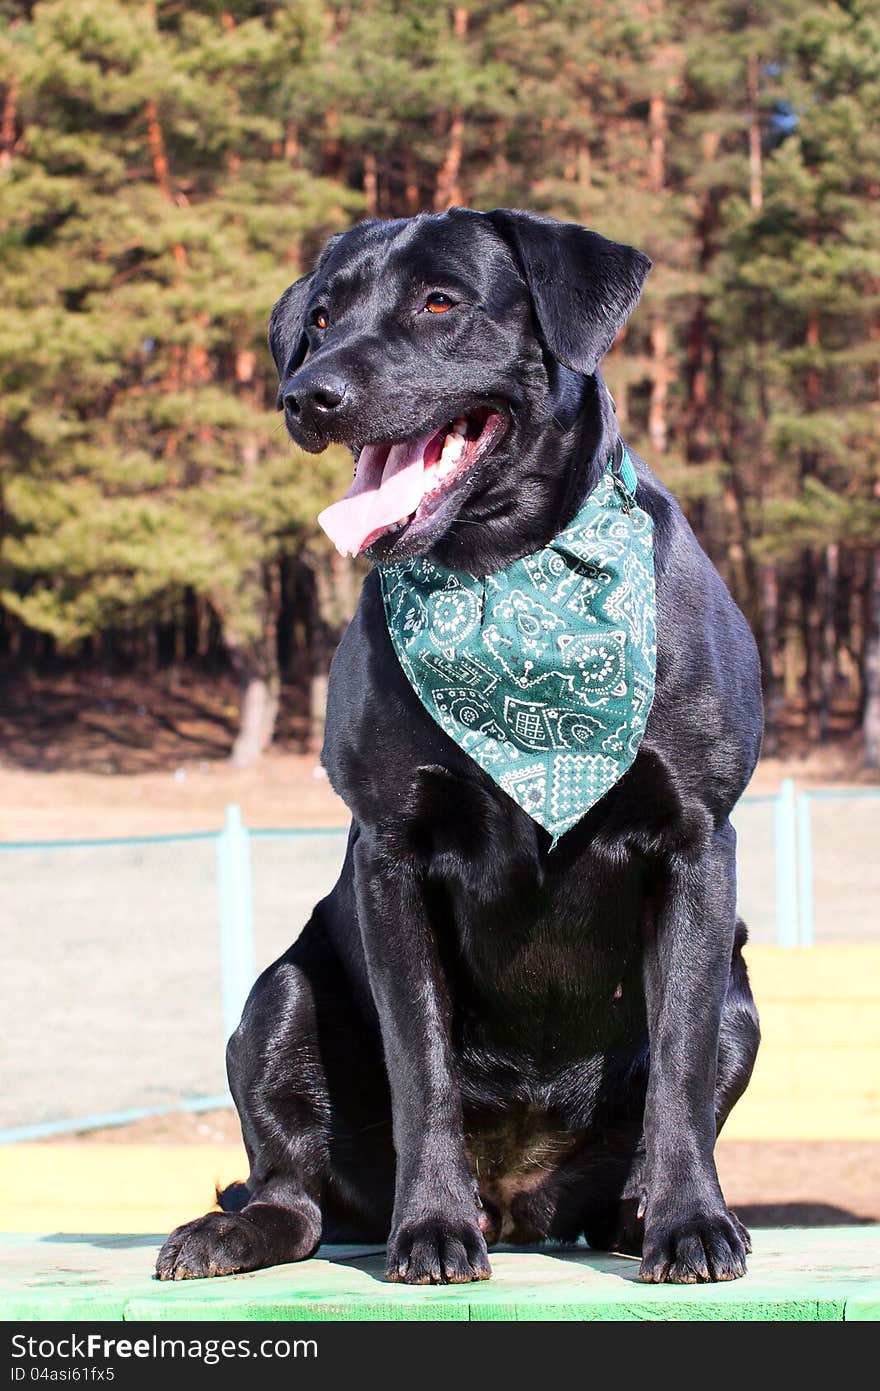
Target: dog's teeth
{"points": [[459, 428], [453, 448]]}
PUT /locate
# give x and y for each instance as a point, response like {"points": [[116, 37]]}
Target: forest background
{"points": [[167, 169]]}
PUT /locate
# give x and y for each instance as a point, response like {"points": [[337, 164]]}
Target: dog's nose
{"points": [[321, 394]]}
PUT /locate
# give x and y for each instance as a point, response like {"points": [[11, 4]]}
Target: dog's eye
{"points": [[321, 319], [438, 303]]}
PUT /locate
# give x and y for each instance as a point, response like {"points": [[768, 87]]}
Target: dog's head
{"points": [[455, 355]]}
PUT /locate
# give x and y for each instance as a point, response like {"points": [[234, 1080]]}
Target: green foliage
{"points": [[173, 166], [141, 452]]}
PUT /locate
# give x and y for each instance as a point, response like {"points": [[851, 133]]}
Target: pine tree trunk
{"points": [[500, 162], [254, 658], [8, 122], [331, 151], [858, 623], [828, 669], [371, 185], [448, 190], [792, 648], [259, 702], [696, 412], [321, 655], [738, 538], [811, 630], [769, 650], [255, 665], [660, 375], [411, 184], [584, 165], [160, 166], [657, 122], [321, 647], [696, 425], [203, 627], [332, 597], [660, 369], [737, 551], [756, 172], [871, 680], [290, 147]]}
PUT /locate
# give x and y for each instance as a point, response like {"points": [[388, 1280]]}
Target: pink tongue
{"points": [[384, 491]]}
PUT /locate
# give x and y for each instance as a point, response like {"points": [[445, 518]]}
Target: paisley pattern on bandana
{"points": [[544, 672]]}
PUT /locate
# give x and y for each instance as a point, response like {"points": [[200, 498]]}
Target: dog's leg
{"points": [[689, 1233], [739, 1036], [277, 1081], [435, 1231], [617, 1224], [306, 1071]]}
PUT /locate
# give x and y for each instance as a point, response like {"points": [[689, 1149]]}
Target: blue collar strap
{"points": [[621, 466]]}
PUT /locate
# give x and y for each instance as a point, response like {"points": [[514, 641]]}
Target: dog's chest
{"points": [[559, 943]]}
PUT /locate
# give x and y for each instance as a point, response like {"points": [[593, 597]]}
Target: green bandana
{"points": [[544, 672]]}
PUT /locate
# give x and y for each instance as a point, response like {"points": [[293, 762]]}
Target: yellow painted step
{"points": [[842, 973], [818, 1070], [827, 1024], [761, 1117], [813, 1073], [111, 1188]]}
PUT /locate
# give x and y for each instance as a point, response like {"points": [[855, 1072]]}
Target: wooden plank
{"points": [[794, 1275]]}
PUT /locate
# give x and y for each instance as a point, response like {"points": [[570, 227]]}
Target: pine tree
{"points": [[150, 220], [167, 169]]}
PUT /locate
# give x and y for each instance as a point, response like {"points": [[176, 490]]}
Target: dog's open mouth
{"points": [[398, 484]]}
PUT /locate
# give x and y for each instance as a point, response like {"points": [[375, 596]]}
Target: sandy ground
{"points": [[770, 1183], [284, 789]]}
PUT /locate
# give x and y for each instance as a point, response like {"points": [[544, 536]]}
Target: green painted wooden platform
{"points": [[830, 1274]]}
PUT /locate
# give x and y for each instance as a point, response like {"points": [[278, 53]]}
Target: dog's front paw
{"points": [[688, 1248], [437, 1250], [219, 1244]]}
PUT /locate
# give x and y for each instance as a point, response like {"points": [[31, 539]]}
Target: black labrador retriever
{"points": [[477, 1037]]}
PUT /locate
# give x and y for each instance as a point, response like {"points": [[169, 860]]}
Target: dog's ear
{"points": [[287, 322], [287, 338], [583, 286]]}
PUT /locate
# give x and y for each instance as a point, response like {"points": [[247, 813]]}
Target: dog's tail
{"points": [[739, 990], [740, 937], [233, 1197]]}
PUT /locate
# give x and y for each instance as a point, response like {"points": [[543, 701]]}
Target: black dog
{"points": [[474, 1038]]}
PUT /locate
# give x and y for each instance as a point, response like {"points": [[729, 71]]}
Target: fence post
{"points": [[237, 962], [805, 868], [785, 835]]}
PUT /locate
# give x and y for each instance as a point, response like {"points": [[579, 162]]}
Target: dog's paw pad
{"points": [[218, 1244], [436, 1251], [695, 1250]]}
